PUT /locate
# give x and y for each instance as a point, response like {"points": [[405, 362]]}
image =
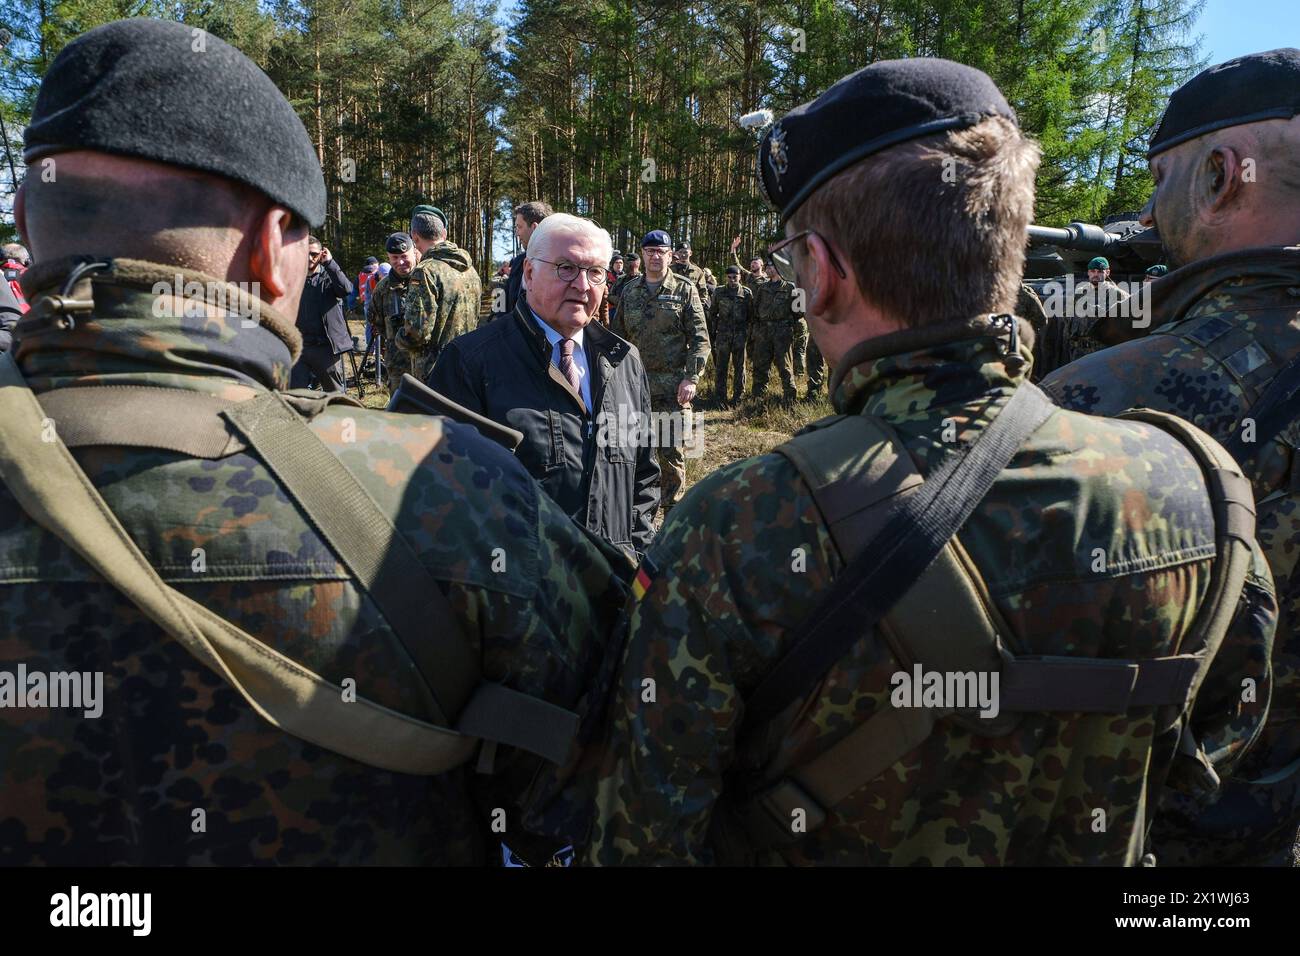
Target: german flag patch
{"points": [[645, 576]]}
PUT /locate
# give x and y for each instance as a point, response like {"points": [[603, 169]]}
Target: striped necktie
{"points": [[569, 368]]}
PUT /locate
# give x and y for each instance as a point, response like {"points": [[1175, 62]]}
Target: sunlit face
{"points": [[1098, 276], [656, 259], [733, 279], [402, 262], [772, 274], [756, 266], [566, 306], [524, 230]]}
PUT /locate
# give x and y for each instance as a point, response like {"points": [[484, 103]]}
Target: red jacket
{"points": [[13, 270]]}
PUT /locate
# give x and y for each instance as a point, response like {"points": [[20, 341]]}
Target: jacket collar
{"points": [[939, 364], [152, 324], [597, 340], [1173, 296]]}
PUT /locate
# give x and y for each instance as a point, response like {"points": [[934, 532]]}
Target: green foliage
{"points": [[627, 110]]}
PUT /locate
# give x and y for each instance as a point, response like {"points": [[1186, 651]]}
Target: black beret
{"points": [[371, 261], [682, 246], [167, 92], [1258, 86], [879, 106], [733, 270], [398, 242]]}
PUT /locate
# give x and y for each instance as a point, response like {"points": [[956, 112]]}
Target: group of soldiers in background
{"points": [[429, 296]]}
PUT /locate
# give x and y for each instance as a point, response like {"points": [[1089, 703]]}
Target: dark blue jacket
{"points": [[503, 370]]}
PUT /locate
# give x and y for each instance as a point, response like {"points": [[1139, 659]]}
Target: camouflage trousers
{"points": [[672, 459], [771, 343], [799, 347], [816, 368], [729, 352]]}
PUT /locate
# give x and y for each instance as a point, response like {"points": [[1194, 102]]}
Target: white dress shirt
{"points": [[579, 357]]}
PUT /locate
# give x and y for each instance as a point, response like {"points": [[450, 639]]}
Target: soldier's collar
{"points": [[1014, 336], [47, 279]]}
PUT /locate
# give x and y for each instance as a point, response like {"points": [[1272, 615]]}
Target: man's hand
{"points": [[685, 392], [324, 255], [735, 244]]}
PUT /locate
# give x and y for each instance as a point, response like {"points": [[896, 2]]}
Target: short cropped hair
{"points": [[934, 229]]}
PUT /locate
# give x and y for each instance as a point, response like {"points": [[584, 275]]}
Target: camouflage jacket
{"points": [[1221, 329], [731, 313], [720, 595], [442, 302], [695, 275], [385, 305], [173, 738], [668, 329], [774, 302]]}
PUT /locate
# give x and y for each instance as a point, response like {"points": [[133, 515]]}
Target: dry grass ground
{"points": [[756, 426]]}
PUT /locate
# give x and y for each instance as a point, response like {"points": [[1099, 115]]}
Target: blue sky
{"points": [[1230, 28]]}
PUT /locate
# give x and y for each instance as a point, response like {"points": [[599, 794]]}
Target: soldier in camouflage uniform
{"points": [[730, 315], [661, 314], [774, 324], [799, 346], [1225, 326], [816, 372], [683, 266], [445, 293], [388, 299], [173, 737], [748, 556]]}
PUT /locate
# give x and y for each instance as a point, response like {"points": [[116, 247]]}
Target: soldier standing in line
{"points": [[661, 314], [683, 266], [731, 314], [773, 331], [384, 309]]}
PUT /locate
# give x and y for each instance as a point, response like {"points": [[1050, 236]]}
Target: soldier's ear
{"points": [[1223, 178], [277, 257]]}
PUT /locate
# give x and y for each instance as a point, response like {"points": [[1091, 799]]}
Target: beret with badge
{"points": [[879, 106]]}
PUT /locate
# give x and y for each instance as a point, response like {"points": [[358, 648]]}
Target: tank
{"points": [[1129, 246]]}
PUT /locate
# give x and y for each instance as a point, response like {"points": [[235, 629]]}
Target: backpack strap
{"points": [[911, 535], [53, 490], [947, 621]]}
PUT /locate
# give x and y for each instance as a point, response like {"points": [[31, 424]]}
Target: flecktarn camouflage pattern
{"points": [[178, 769], [1223, 328], [442, 302], [1097, 541]]}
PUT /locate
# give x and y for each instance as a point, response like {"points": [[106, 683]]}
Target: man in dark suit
{"points": [[325, 335], [577, 391], [527, 218]]}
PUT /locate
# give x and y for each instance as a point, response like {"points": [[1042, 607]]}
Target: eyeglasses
{"points": [[776, 247], [567, 271]]}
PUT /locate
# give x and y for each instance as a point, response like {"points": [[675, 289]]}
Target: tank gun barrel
{"points": [[1082, 236]]}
